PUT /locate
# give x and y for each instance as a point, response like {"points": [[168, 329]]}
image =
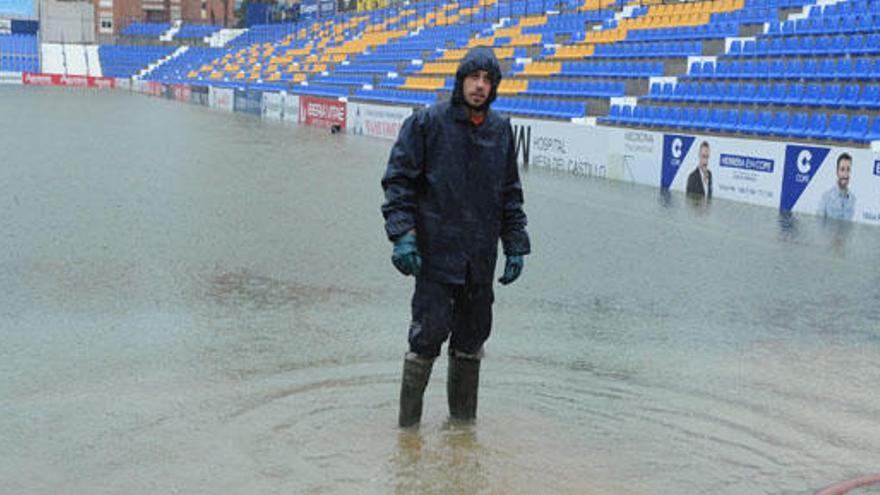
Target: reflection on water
{"points": [[218, 313]]}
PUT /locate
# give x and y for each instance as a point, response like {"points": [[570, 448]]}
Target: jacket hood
{"points": [[477, 58]]}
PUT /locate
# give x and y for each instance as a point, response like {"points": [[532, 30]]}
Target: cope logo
{"points": [[804, 160], [677, 148], [801, 164], [804, 166]]}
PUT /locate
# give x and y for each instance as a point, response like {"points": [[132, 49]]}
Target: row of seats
{"points": [[756, 15], [397, 96], [318, 90], [704, 32], [18, 44], [150, 29], [590, 69], [181, 66], [366, 68], [347, 80], [799, 125], [612, 69], [865, 22], [826, 69], [830, 95], [196, 31], [650, 49], [777, 4], [19, 64], [541, 108], [603, 89], [842, 8], [128, 60], [807, 46]]}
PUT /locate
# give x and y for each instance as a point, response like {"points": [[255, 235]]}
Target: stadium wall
{"points": [[790, 176]]}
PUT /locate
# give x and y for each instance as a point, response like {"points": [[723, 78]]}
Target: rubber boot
{"points": [[416, 372], [462, 383]]}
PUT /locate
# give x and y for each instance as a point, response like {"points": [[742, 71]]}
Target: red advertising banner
{"points": [[102, 82], [32, 79], [74, 81], [35, 79], [154, 88], [182, 92], [321, 112]]}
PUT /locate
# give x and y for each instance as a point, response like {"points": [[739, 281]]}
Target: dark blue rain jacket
{"points": [[457, 184]]}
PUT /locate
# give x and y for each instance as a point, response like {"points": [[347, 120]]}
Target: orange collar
{"points": [[478, 119]]}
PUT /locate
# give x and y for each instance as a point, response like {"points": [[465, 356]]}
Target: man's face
{"points": [[844, 168], [476, 88], [704, 157]]}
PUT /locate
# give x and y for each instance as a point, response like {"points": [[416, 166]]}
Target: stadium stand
{"points": [[770, 68], [18, 53]]}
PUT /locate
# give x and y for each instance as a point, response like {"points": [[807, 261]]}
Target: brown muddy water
{"points": [[200, 302]]}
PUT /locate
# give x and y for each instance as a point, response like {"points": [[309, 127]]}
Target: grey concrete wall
{"points": [[67, 21]]}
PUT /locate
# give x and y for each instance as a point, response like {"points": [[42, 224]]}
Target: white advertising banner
{"points": [[290, 108], [585, 150], [139, 86], [10, 77], [376, 120], [746, 173], [272, 106], [221, 98], [832, 182], [123, 83]]}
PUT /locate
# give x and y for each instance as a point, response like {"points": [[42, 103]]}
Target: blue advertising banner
{"points": [[248, 101], [675, 150], [801, 164]]}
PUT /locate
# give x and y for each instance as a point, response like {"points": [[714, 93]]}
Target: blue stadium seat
{"points": [[858, 129], [777, 96], [765, 121], [861, 68], [716, 119], [708, 69], [793, 69], [837, 127], [762, 97], [747, 95], [736, 48], [831, 96], [626, 114], [873, 133], [688, 117], [809, 69], [779, 127], [732, 93], [844, 69], [813, 94], [613, 115], [798, 126], [850, 97], [730, 120], [747, 121], [755, 48], [818, 125], [870, 98]]}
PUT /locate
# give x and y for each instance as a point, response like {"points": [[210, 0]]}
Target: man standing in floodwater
{"points": [[452, 190]]}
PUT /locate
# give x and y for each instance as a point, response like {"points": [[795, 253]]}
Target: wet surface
{"points": [[199, 302]]}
